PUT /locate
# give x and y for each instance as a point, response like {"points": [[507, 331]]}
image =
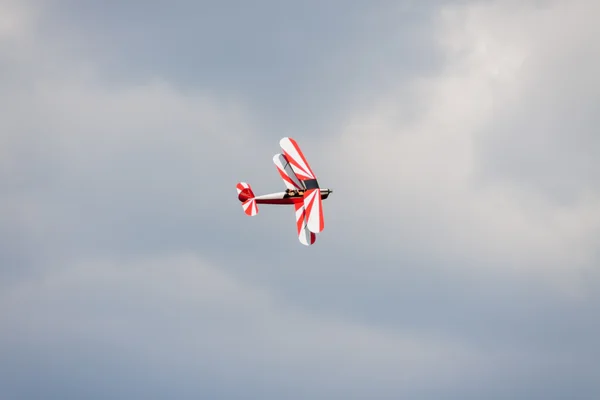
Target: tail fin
{"points": [[246, 196]]}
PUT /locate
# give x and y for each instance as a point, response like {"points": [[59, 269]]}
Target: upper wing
{"points": [[305, 236], [287, 174], [298, 162]]}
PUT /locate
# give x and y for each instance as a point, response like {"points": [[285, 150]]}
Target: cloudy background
{"points": [[461, 252]]}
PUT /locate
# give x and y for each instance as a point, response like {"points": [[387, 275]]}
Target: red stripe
{"points": [[321, 218], [300, 220]]}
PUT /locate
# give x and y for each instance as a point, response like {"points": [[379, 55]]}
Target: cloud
{"points": [[12, 21], [129, 269], [297, 64], [179, 316], [424, 165], [87, 164]]}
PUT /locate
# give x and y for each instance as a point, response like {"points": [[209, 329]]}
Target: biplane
{"points": [[302, 191]]}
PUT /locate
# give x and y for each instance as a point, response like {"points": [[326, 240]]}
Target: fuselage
{"points": [[283, 198]]}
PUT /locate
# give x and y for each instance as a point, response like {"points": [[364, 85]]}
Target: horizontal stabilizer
{"points": [[250, 207], [246, 196]]}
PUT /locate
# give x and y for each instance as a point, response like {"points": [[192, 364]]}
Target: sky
{"points": [[460, 256]]}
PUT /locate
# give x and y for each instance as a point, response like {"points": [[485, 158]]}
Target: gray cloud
{"points": [[291, 61], [190, 318], [456, 261]]}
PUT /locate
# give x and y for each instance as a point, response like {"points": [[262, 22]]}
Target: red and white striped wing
{"points": [[287, 173], [314, 210], [296, 159], [305, 236]]}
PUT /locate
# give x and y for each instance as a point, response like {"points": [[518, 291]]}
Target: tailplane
{"points": [[246, 196]]}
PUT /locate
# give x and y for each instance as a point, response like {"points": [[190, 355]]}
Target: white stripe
{"points": [[271, 196]]}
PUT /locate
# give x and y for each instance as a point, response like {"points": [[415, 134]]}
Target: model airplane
{"points": [[302, 191]]}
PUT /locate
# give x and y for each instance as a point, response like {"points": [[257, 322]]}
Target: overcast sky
{"points": [[461, 251]]}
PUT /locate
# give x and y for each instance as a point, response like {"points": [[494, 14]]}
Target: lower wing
{"points": [[313, 203], [305, 236]]}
